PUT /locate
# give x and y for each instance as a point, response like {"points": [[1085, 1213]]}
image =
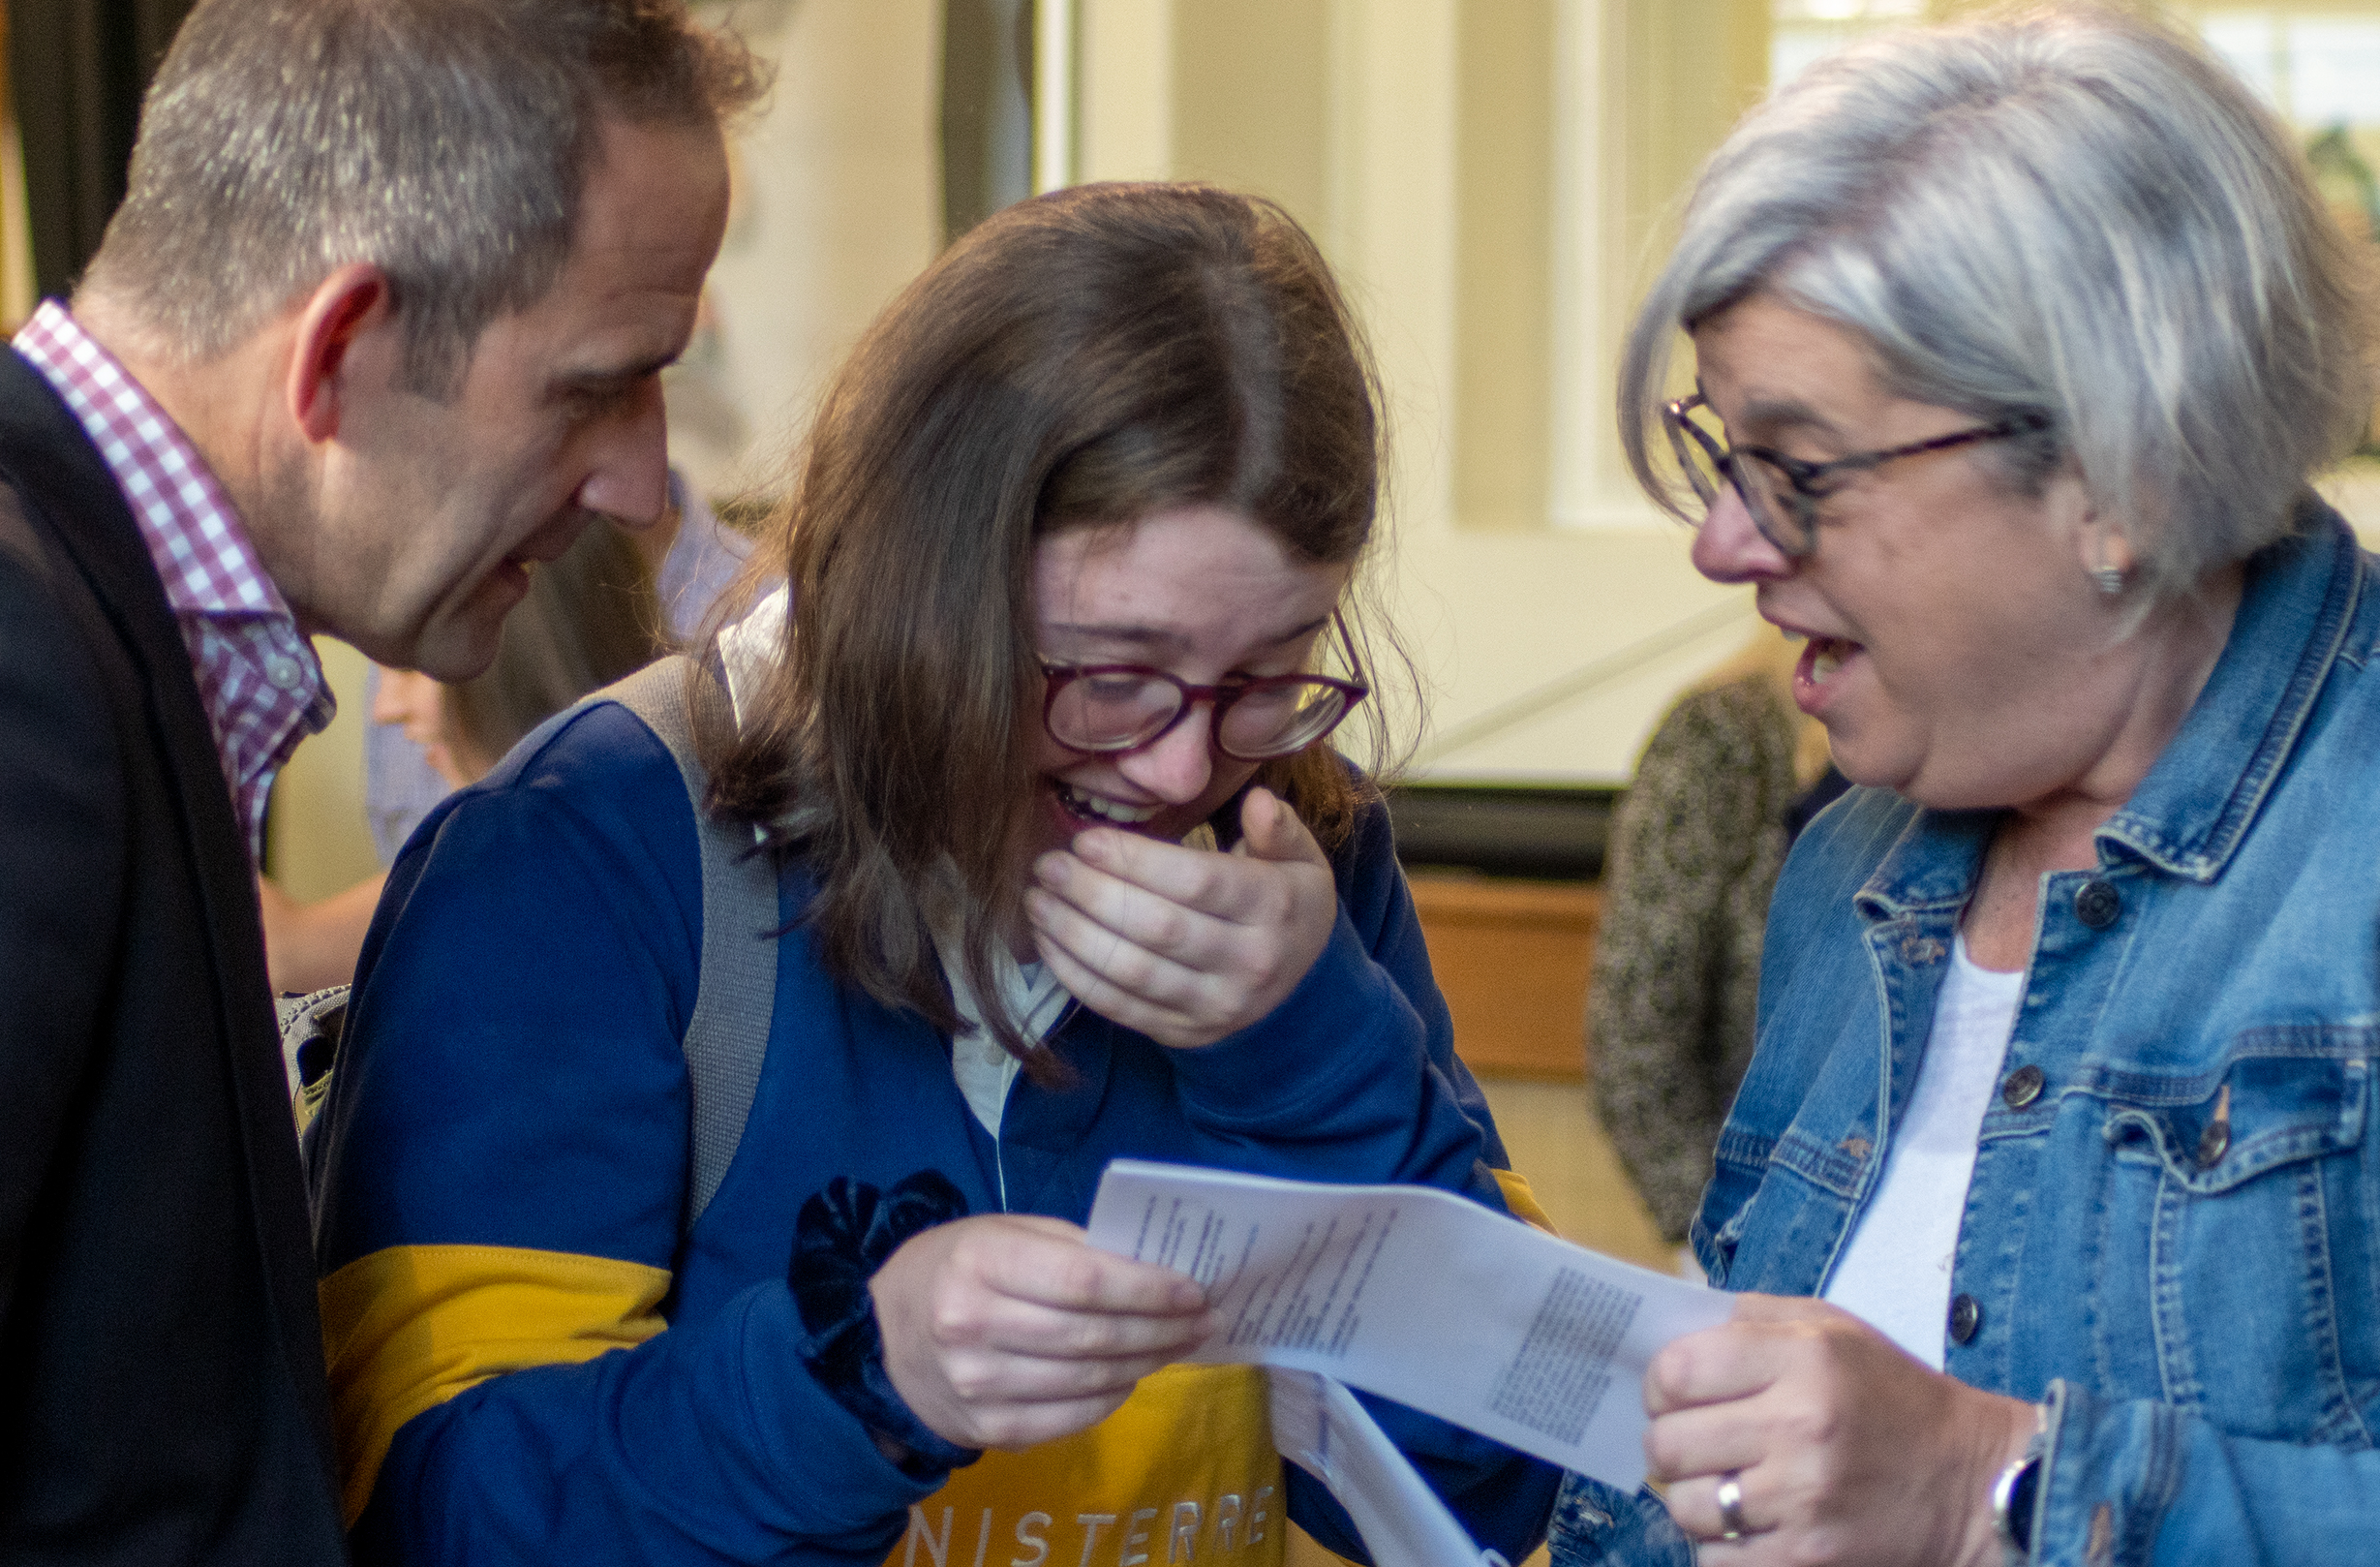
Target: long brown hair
{"points": [[1083, 359]]}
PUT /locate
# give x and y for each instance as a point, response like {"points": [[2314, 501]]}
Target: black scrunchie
{"points": [[841, 1237]]}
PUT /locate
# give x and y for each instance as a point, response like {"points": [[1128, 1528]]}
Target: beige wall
{"points": [[836, 204], [1449, 162], [1502, 388], [316, 840], [15, 230], [1466, 169]]}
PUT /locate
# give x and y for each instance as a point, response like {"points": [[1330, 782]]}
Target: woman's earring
{"points": [[2108, 579]]}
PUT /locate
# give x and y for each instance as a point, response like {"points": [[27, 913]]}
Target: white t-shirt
{"points": [[1031, 996], [1895, 1274], [750, 645]]}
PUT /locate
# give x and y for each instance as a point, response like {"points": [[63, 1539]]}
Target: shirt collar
{"points": [[257, 678], [194, 535]]}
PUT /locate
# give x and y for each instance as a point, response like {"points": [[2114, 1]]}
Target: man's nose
{"points": [[627, 478]]}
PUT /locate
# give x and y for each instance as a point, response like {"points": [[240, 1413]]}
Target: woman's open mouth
{"points": [[1097, 808], [1822, 659]]}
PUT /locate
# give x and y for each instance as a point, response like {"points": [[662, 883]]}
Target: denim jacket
{"points": [[2172, 1235]]}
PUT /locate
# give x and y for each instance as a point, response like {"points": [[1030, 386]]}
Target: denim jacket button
{"points": [[2022, 1086], [2097, 903], [2213, 1142], [1965, 1316]]}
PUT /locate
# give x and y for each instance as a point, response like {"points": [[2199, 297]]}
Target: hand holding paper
{"points": [[1004, 1330], [1419, 1296], [1834, 1432]]}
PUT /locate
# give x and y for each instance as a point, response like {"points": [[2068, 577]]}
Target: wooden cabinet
{"points": [[1512, 957]]}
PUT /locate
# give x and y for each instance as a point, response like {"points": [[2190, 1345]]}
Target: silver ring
{"points": [[1730, 1499]]}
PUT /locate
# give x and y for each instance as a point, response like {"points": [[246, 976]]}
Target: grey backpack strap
{"points": [[728, 1037]]}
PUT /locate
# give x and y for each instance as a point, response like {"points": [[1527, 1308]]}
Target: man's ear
{"points": [[353, 309]]}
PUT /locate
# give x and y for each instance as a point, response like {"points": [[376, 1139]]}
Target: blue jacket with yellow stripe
{"points": [[533, 1361]]}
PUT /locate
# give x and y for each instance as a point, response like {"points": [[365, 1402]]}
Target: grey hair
{"points": [[2070, 212], [443, 140]]}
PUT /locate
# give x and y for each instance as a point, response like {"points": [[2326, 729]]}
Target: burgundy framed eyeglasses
{"points": [[1111, 708]]}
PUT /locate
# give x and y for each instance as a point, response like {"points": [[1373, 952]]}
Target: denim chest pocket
{"points": [[2235, 1236], [2213, 1133]]}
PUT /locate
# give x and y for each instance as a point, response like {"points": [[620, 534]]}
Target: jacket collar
{"points": [[2190, 813]]}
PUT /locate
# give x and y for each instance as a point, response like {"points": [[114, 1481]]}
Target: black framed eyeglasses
{"points": [[1782, 493], [1110, 708]]}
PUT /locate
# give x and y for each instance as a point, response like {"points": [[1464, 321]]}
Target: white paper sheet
{"points": [[1319, 1427], [1419, 1296]]}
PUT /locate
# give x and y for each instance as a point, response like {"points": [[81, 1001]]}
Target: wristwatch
{"points": [[2013, 1495]]}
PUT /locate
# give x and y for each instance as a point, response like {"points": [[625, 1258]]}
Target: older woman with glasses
{"points": [[1068, 871], [2052, 1192]]}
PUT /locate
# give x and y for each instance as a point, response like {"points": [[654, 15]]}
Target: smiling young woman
{"points": [[1038, 739]]}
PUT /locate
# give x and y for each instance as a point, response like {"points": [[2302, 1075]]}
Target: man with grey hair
{"points": [[378, 327]]}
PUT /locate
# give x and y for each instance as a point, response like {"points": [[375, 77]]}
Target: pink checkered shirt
{"points": [[259, 679]]}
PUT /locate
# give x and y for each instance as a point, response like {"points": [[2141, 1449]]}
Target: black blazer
{"points": [[162, 1396]]}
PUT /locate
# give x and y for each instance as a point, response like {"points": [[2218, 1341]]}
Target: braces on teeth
{"points": [[1086, 805]]}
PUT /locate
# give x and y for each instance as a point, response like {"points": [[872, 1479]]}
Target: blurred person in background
{"points": [[1730, 777], [590, 618], [691, 557], [2050, 1192]]}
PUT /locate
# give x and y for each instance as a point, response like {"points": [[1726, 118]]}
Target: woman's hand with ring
{"points": [[1184, 945], [1795, 1432], [1730, 1498]]}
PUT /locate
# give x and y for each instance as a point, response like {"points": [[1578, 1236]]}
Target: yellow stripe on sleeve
{"points": [[409, 1327], [1522, 1201]]}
